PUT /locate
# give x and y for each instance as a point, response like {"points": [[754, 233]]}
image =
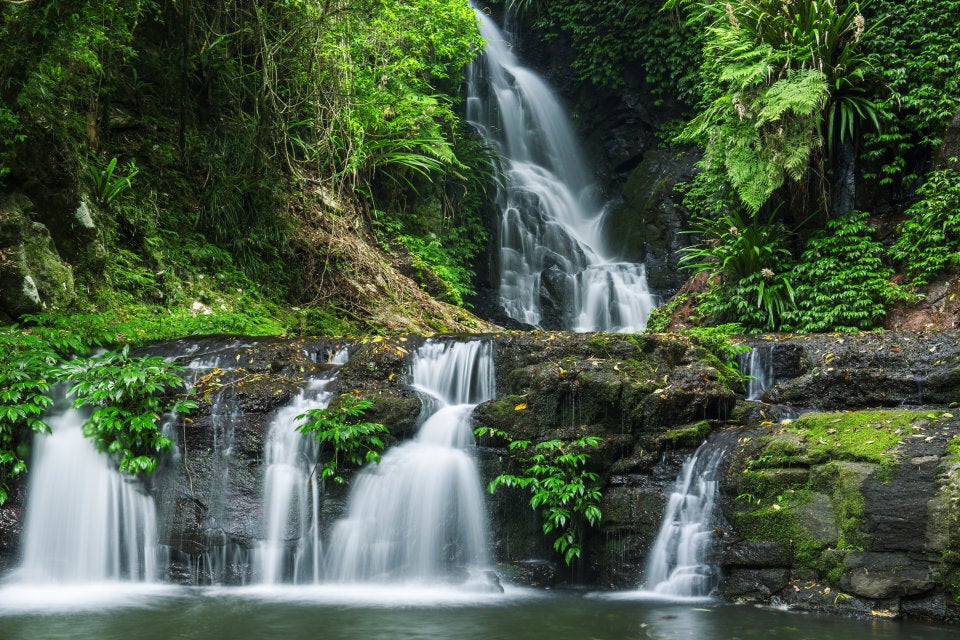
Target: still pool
{"points": [[106, 612]]}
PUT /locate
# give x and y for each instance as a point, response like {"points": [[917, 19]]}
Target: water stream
{"points": [[419, 515], [90, 524], [679, 562], [758, 365], [291, 550], [554, 266]]}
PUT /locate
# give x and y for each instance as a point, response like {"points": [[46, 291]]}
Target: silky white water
{"points": [[678, 563], [291, 549], [758, 365], [551, 242], [87, 522], [419, 515]]}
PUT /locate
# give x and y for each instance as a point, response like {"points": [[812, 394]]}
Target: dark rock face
{"points": [[646, 224], [866, 370]]}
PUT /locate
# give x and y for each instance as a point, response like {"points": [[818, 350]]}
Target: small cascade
{"points": [[419, 515], [678, 563], [86, 522], [291, 550], [758, 364], [551, 235]]}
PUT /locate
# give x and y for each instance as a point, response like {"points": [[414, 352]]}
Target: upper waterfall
{"points": [[554, 266]]}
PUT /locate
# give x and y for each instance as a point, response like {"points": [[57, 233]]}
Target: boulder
{"points": [[33, 277], [885, 575]]}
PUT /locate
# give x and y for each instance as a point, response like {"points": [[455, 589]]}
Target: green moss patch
{"points": [[856, 436], [691, 436]]}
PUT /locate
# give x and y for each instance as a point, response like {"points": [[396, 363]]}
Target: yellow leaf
{"points": [[390, 377], [520, 407]]}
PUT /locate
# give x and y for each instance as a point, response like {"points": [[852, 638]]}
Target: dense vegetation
{"points": [[220, 146], [795, 104], [794, 97], [260, 167]]}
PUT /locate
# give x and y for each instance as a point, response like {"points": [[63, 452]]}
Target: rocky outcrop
{"points": [[844, 509], [33, 277], [647, 223], [844, 371], [866, 499]]}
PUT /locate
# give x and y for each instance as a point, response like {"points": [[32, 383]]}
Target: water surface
{"points": [[342, 612]]}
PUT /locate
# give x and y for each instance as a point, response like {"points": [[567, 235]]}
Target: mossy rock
{"points": [[691, 436], [33, 277]]}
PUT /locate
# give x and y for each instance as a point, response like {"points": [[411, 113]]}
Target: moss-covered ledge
{"points": [[867, 503]]}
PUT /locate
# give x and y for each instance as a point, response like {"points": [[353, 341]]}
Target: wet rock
{"points": [[750, 554], [885, 575], [647, 225], [932, 607], [872, 369], [529, 573], [11, 521], [747, 585]]}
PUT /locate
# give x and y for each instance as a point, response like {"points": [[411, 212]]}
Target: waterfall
{"points": [[550, 233], [291, 492], [678, 563], [86, 522], [758, 364], [419, 515]]}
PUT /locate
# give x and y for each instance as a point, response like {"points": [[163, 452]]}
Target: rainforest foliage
{"points": [[799, 104], [125, 396], [210, 135], [796, 104]]}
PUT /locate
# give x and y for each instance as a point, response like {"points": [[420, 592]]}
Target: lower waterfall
{"points": [[419, 515], [96, 524], [679, 564]]}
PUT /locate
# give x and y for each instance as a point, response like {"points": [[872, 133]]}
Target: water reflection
{"points": [[248, 614]]}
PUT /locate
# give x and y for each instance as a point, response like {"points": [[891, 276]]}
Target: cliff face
{"points": [[852, 506]]}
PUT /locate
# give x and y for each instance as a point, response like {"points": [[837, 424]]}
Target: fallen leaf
{"points": [[520, 407]]}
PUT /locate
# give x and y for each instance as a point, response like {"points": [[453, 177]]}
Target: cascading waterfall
{"points": [[551, 223], [87, 522], [678, 563], [758, 364], [419, 514], [291, 493]]}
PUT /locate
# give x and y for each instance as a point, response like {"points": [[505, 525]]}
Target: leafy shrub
{"points": [[916, 47], [344, 437], [841, 281], [566, 494], [129, 395], [780, 80], [746, 260], [611, 37], [28, 371], [929, 241]]}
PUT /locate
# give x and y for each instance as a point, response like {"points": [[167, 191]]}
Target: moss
{"points": [[692, 436], [772, 482], [953, 449], [778, 520], [831, 565], [843, 481], [662, 317], [860, 436]]}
